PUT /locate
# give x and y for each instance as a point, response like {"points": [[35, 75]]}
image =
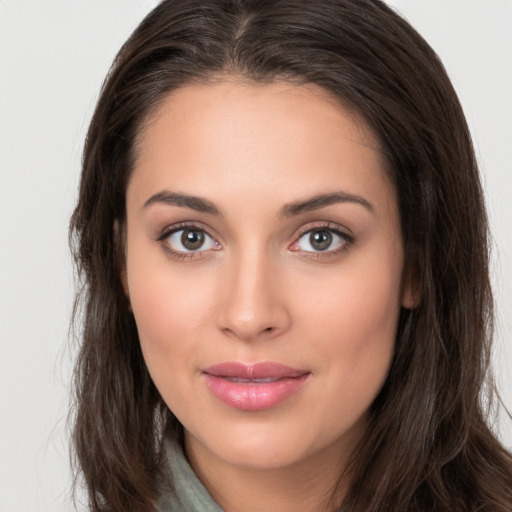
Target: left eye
{"points": [[190, 240], [321, 240]]}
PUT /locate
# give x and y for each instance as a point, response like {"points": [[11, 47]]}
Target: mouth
{"points": [[254, 387]]}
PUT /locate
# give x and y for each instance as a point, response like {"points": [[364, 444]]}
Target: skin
{"points": [[257, 290]]}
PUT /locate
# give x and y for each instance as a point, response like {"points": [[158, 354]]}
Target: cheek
{"points": [[354, 319], [359, 300], [169, 314], [354, 324], [165, 308], [170, 304]]}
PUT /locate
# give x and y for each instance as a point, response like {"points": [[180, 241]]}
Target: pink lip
{"points": [[254, 387]]}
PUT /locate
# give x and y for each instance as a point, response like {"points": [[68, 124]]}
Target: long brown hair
{"points": [[428, 445]]}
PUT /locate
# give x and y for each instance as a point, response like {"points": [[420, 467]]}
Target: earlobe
{"points": [[120, 257], [409, 301], [411, 295], [124, 281]]}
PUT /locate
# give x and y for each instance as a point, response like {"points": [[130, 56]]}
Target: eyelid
{"points": [[324, 224], [337, 229], [180, 226], [172, 228]]}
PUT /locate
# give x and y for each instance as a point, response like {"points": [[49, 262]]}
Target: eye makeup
{"points": [[325, 239], [191, 240], [187, 241]]}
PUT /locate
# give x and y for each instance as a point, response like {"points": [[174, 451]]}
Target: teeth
{"points": [[248, 381]]}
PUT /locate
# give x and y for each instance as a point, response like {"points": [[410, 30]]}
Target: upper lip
{"points": [[262, 370]]}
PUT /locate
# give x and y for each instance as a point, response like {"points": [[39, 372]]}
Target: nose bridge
{"points": [[252, 304]]}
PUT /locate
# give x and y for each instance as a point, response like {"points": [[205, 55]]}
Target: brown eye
{"points": [[192, 239], [320, 240]]}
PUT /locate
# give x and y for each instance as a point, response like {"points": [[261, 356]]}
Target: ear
{"points": [[120, 255], [411, 295]]}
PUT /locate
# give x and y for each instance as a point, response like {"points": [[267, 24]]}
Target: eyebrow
{"points": [[321, 201], [177, 199], [289, 210]]}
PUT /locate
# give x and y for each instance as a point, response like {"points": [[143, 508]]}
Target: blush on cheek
{"points": [[360, 334], [168, 312]]}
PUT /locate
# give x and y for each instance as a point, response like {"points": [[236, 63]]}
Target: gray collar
{"points": [[182, 491]]}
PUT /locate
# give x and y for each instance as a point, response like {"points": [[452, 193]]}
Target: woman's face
{"points": [[264, 268]]}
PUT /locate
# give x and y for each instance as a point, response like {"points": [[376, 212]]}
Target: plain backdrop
{"points": [[54, 55]]}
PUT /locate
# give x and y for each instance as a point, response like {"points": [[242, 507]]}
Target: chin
{"points": [[258, 445]]}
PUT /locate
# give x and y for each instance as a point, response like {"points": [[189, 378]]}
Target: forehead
{"points": [[235, 139]]}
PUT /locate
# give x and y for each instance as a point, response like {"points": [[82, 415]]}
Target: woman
{"points": [[283, 243]]}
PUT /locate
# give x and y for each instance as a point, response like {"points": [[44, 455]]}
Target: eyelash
{"points": [[179, 255], [347, 240]]}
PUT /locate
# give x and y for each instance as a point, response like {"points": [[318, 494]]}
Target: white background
{"points": [[54, 55]]}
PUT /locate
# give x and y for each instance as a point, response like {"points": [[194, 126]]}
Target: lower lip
{"points": [[254, 396]]}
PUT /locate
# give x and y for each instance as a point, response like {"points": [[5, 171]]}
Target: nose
{"points": [[253, 304]]}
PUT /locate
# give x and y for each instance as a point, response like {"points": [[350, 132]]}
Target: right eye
{"points": [[188, 240]]}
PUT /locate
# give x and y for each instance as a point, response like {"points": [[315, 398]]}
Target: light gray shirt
{"points": [[182, 491]]}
